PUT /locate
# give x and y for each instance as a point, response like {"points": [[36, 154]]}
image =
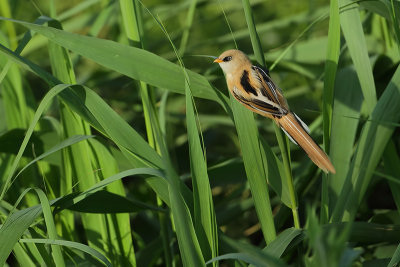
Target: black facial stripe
{"points": [[244, 81], [226, 59]]}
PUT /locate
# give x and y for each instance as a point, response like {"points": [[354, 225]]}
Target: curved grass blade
{"points": [[77, 159], [111, 203], [332, 59], [55, 242], [391, 162], [205, 220], [13, 228], [374, 137], [350, 22], [51, 228], [282, 140], [43, 105], [331, 63], [188, 241], [65, 143], [254, 166], [17, 222], [254, 259], [283, 241], [94, 110], [204, 213], [347, 106], [119, 229], [396, 258], [119, 57]]}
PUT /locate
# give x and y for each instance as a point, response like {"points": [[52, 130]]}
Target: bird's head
{"points": [[232, 60]]}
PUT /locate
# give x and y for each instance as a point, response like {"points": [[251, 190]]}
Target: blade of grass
{"points": [[67, 142], [367, 233], [350, 22], [231, 35], [331, 63], [266, 27], [22, 257], [5, 10], [77, 158], [275, 170], [13, 228], [75, 245], [43, 105], [282, 140], [67, 201], [87, 103], [289, 47], [132, 20], [187, 27], [19, 110], [396, 258], [255, 40], [254, 166], [228, 244], [204, 214], [374, 137], [327, 244], [188, 240], [265, 260], [95, 111], [205, 220], [106, 202], [17, 222], [51, 228], [75, 10], [392, 166], [347, 107], [119, 229], [283, 241], [395, 14], [14, 231], [131, 16], [119, 58], [40, 251]]}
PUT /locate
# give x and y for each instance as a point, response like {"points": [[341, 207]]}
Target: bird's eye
{"points": [[226, 59]]}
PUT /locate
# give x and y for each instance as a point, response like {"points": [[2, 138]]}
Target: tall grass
{"points": [[100, 91]]}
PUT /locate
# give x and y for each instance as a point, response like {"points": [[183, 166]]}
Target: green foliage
{"points": [[129, 96]]}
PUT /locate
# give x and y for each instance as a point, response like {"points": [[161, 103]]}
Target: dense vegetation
{"points": [[120, 144]]}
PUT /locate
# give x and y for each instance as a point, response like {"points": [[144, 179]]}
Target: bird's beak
{"points": [[218, 60]]}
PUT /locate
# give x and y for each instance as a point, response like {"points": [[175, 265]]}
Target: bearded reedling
{"points": [[252, 86]]}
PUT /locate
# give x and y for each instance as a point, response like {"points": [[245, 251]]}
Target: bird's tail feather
{"points": [[298, 133]]}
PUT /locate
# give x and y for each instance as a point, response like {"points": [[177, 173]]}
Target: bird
{"points": [[253, 87]]}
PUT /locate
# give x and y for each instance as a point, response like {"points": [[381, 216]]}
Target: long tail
{"points": [[297, 132]]}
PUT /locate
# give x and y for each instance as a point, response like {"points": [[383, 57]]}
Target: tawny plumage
{"points": [[252, 86]]}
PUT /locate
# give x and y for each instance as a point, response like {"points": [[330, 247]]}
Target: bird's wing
{"points": [[268, 87], [251, 101], [258, 93]]}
